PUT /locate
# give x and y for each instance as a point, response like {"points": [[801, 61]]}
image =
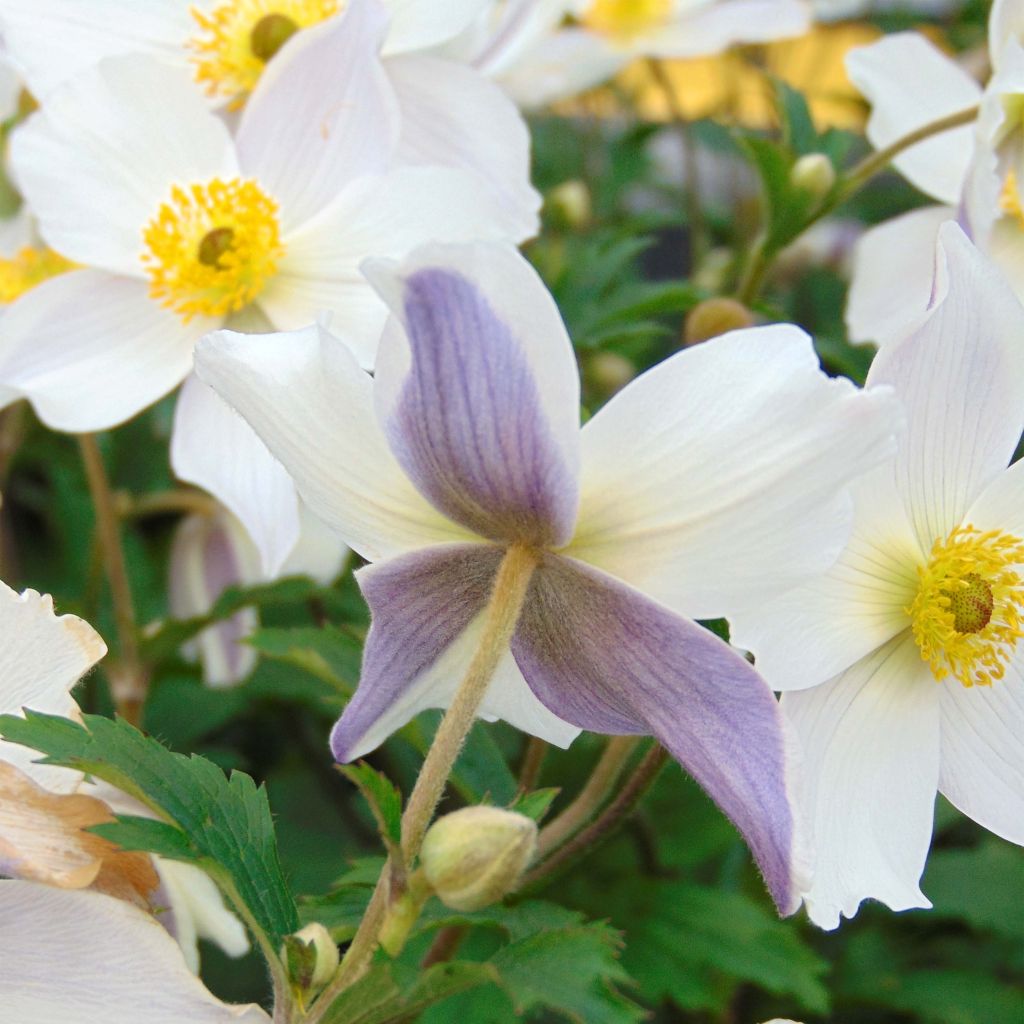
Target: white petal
{"points": [[961, 378], [909, 83], [319, 553], [417, 26], [817, 630], [871, 764], [720, 25], [323, 113], [212, 446], [982, 770], [718, 479], [1005, 24], [307, 399], [454, 117], [893, 275], [1001, 505], [98, 160], [128, 970], [90, 350], [52, 40], [381, 216], [41, 659]]}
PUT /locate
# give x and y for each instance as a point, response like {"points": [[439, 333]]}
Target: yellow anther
{"points": [[212, 247], [623, 20], [969, 610], [238, 37], [29, 267], [1009, 199]]}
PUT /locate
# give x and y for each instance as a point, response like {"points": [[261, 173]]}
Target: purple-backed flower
{"points": [[719, 473]]}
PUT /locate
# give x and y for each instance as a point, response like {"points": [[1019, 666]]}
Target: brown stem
{"points": [[445, 945], [129, 678], [169, 502], [533, 761]]}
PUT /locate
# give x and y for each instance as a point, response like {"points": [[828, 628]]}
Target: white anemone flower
{"points": [[43, 808], [450, 114], [904, 666], [546, 50], [178, 227], [976, 172]]}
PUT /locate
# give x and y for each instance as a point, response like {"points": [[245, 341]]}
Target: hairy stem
{"points": [[592, 796], [169, 502], [533, 761], [606, 822], [129, 680]]}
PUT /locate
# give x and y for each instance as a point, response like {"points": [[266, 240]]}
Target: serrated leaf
{"points": [[535, 805], [225, 823], [384, 799], [148, 835]]}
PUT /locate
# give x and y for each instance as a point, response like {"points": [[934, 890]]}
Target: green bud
{"points": [[814, 173], [608, 372], [269, 34], [312, 957], [568, 205], [215, 244], [473, 857], [712, 317]]}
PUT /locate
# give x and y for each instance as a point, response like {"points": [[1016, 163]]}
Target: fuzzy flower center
{"points": [[238, 37], [212, 247], [21, 273], [969, 610], [623, 20]]}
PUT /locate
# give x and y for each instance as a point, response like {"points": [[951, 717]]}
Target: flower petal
{"points": [[982, 770], [41, 659], [454, 117], [871, 764], [416, 26], [129, 970], [718, 479], [323, 114], [99, 158], [90, 350], [427, 608], [961, 378], [54, 40], [478, 393], [909, 82], [212, 446], [1001, 505], [377, 216], [605, 657], [893, 275], [312, 406]]}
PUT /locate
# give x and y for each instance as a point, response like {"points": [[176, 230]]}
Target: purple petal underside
{"points": [[469, 427], [420, 603], [604, 657]]}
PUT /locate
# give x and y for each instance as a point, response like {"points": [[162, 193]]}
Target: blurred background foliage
{"points": [[667, 921]]}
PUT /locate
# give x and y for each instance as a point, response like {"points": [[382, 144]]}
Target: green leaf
{"points": [[223, 824], [798, 129], [131, 832], [536, 804], [328, 653], [384, 799]]}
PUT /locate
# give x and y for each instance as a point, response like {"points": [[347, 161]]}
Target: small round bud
{"points": [[312, 957], [473, 857], [608, 372], [814, 173], [269, 34], [569, 205], [712, 317]]}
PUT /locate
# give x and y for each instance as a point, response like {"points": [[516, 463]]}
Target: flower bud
{"points": [[568, 204], [712, 317], [608, 372], [473, 857], [813, 173], [312, 957]]}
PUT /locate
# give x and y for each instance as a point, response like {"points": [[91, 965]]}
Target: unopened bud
{"points": [[813, 173], [473, 857], [312, 957], [568, 204], [608, 372], [712, 317]]}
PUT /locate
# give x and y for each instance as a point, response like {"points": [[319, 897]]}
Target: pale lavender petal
{"points": [[469, 425], [605, 657], [421, 602]]}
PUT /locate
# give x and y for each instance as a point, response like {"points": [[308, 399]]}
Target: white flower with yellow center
{"points": [[450, 114], [178, 227], [539, 57], [904, 666]]}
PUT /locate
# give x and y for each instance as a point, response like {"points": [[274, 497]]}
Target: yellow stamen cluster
{"points": [[212, 247], [238, 37], [1009, 199], [624, 20], [28, 268], [969, 610]]}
